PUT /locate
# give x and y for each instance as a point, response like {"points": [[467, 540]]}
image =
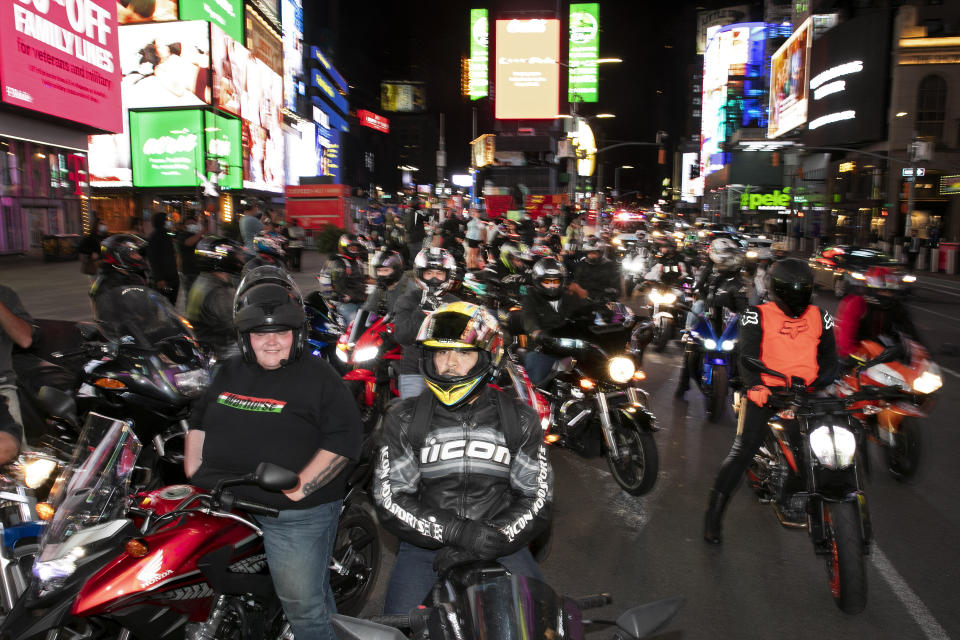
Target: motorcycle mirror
{"points": [[273, 477], [89, 331], [59, 404], [647, 619]]}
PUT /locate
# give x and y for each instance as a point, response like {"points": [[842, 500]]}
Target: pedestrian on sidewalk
{"points": [[163, 259], [912, 247]]}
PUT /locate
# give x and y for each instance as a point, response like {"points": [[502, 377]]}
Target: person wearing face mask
{"points": [[595, 274], [546, 307], [392, 282], [460, 505], [186, 242], [89, 247], [433, 271], [162, 258]]}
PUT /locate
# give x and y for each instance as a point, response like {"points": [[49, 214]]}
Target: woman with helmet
{"points": [[788, 335], [546, 307], [273, 404], [872, 308], [210, 299], [433, 271], [392, 282], [464, 474], [122, 263]]}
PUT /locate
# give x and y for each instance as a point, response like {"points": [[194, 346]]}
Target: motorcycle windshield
{"points": [[511, 607], [140, 315], [94, 487]]}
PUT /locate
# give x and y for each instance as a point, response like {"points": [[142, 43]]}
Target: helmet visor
{"points": [[459, 326]]}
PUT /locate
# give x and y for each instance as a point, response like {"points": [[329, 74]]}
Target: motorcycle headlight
{"points": [[365, 353], [655, 297], [192, 383], [751, 254], [54, 569], [668, 298], [909, 278], [833, 447], [621, 369], [928, 382], [37, 469], [728, 345], [342, 352], [710, 344]]}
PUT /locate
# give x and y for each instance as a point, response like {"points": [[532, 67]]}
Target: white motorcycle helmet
{"points": [[725, 254]]}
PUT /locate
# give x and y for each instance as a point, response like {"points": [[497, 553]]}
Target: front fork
{"points": [[606, 425]]}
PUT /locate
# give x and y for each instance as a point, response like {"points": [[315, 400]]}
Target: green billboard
{"points": [[479, 53], [226, 14], [223, 144], [584, 51], [166, 147]]}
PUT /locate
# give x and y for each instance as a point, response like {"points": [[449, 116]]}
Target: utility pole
{"points": [[913, 152]]}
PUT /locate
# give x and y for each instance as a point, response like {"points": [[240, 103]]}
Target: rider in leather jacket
{"points": [[595, 273], [462, 468], [210, 299]]}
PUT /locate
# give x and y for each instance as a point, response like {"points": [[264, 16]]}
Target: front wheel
{"points": [[636, 471], [663, 336], [717, 400], [355, 564], [903, 456], [846, 568]]}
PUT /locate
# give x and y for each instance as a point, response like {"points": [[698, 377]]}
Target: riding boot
{"points": [[713, 521]]}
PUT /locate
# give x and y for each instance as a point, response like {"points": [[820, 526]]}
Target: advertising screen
{"points": [[167, 147], [226, 14], [291, 20], [166, 64], [223, 143], [690, 188], [132, 12], [848, 82], [584, 50], [329, 69], [229, 60], [262, 157], [60, 64], [788, 82], [300, 148], [263, 43], [527, 76], [402, 97], [373, 121], [328, 90], [108, 158], [479, 54], [328, 141]]}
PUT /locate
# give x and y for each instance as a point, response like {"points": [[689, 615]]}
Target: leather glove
{"points": [[450, 557], [758, 395], [484, 541]]}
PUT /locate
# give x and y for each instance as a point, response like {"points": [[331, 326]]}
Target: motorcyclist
{"points": [[595, 274], [779, 251], [483, 495], [788, 335], [433, 271], [669, 269], [392, 281], [210, 299], [546, 307], [122, 264], [871, 310], [758, 275], [511, 268], [346, 274]]}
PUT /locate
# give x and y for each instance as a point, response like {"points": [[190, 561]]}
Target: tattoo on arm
{"points": [[326, 475]]}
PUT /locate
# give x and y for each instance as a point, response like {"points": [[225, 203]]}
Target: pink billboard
{"points": [[62, 59]]}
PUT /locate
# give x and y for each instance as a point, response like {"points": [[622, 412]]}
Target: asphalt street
{"points": [[765, 580]]}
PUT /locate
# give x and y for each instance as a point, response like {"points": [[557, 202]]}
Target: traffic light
{"points": [[661, 156]]}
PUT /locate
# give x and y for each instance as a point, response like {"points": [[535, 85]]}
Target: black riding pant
{"points": [[745, 446]]}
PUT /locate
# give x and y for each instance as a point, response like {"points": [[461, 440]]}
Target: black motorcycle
{"points": [[483, 600], [596, 403], [807, 470]]}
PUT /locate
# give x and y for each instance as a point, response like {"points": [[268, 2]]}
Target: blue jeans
{"points": [[538, 365], [410, 385], [299, 543], [413, 576]]}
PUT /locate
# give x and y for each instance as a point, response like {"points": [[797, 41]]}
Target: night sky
{"points": [[426, 40]]}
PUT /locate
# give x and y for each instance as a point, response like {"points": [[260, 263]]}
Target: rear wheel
{"points": [[717, 400], [636, 471], [903, 456], [846, 568]]}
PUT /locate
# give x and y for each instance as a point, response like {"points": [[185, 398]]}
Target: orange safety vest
{"points": [[789, 345]]}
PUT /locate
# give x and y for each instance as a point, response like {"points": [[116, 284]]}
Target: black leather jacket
{"points": [[595, 278], [466, 463], [210, 311]]}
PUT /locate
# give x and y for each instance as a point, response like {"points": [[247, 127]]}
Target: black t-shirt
{"points": [[284, 416]]}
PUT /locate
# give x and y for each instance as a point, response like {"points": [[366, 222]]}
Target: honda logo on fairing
{"points": [[454, 449]]}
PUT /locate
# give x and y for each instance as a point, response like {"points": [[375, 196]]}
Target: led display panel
{"points": [[62, 63], [108, 158], [135, 11], [291, 20], [402, 97], [166, 147], [224, 144], [226, 14], [479, 54], [165, 64], [584, 50], [788, 82], [527, 69]]}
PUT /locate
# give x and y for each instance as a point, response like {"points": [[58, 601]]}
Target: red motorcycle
{"points": [[176, 562], [368, 347]]}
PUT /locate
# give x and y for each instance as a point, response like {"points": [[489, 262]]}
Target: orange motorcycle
{"points": [[893, 423]]}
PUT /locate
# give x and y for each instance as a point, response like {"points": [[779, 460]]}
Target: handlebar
{"points": [[229, 501], [396, 621], [593, 602]]}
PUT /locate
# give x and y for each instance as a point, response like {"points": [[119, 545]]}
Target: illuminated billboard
{"points": [[226, 14], [690, 187], [167, 147], [479, 54], [61, 64], [108, 158], [291, 20], [166, 64], [734, 51], [223, 143], [788, 82], [262, 157], [527, 69], [263, 43], [402, 97], [131, 12], [584, 51], [243, 85]]}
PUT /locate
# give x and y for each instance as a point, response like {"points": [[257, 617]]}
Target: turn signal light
{"points": [[587, 384], [550, 438], [136, 548], [109, 383], [44, 511], [639, 375], [787, 414]]}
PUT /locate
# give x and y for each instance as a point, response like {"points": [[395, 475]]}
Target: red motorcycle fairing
{"points": [[169, 576]]}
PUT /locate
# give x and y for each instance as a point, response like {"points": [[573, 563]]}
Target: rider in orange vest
{"points": [[788, 335]]}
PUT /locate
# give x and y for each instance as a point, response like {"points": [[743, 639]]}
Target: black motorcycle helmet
{"points": [[125, 252], [268, 300], [387, 260], [216, 253], [549, 269], [790, 283], [350, 246]]}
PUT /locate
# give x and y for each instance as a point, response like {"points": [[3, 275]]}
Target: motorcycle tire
{"points": [[636, 472], [846, 568], [903, 457], [357, 547], [717, 400], [662, 339]]}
